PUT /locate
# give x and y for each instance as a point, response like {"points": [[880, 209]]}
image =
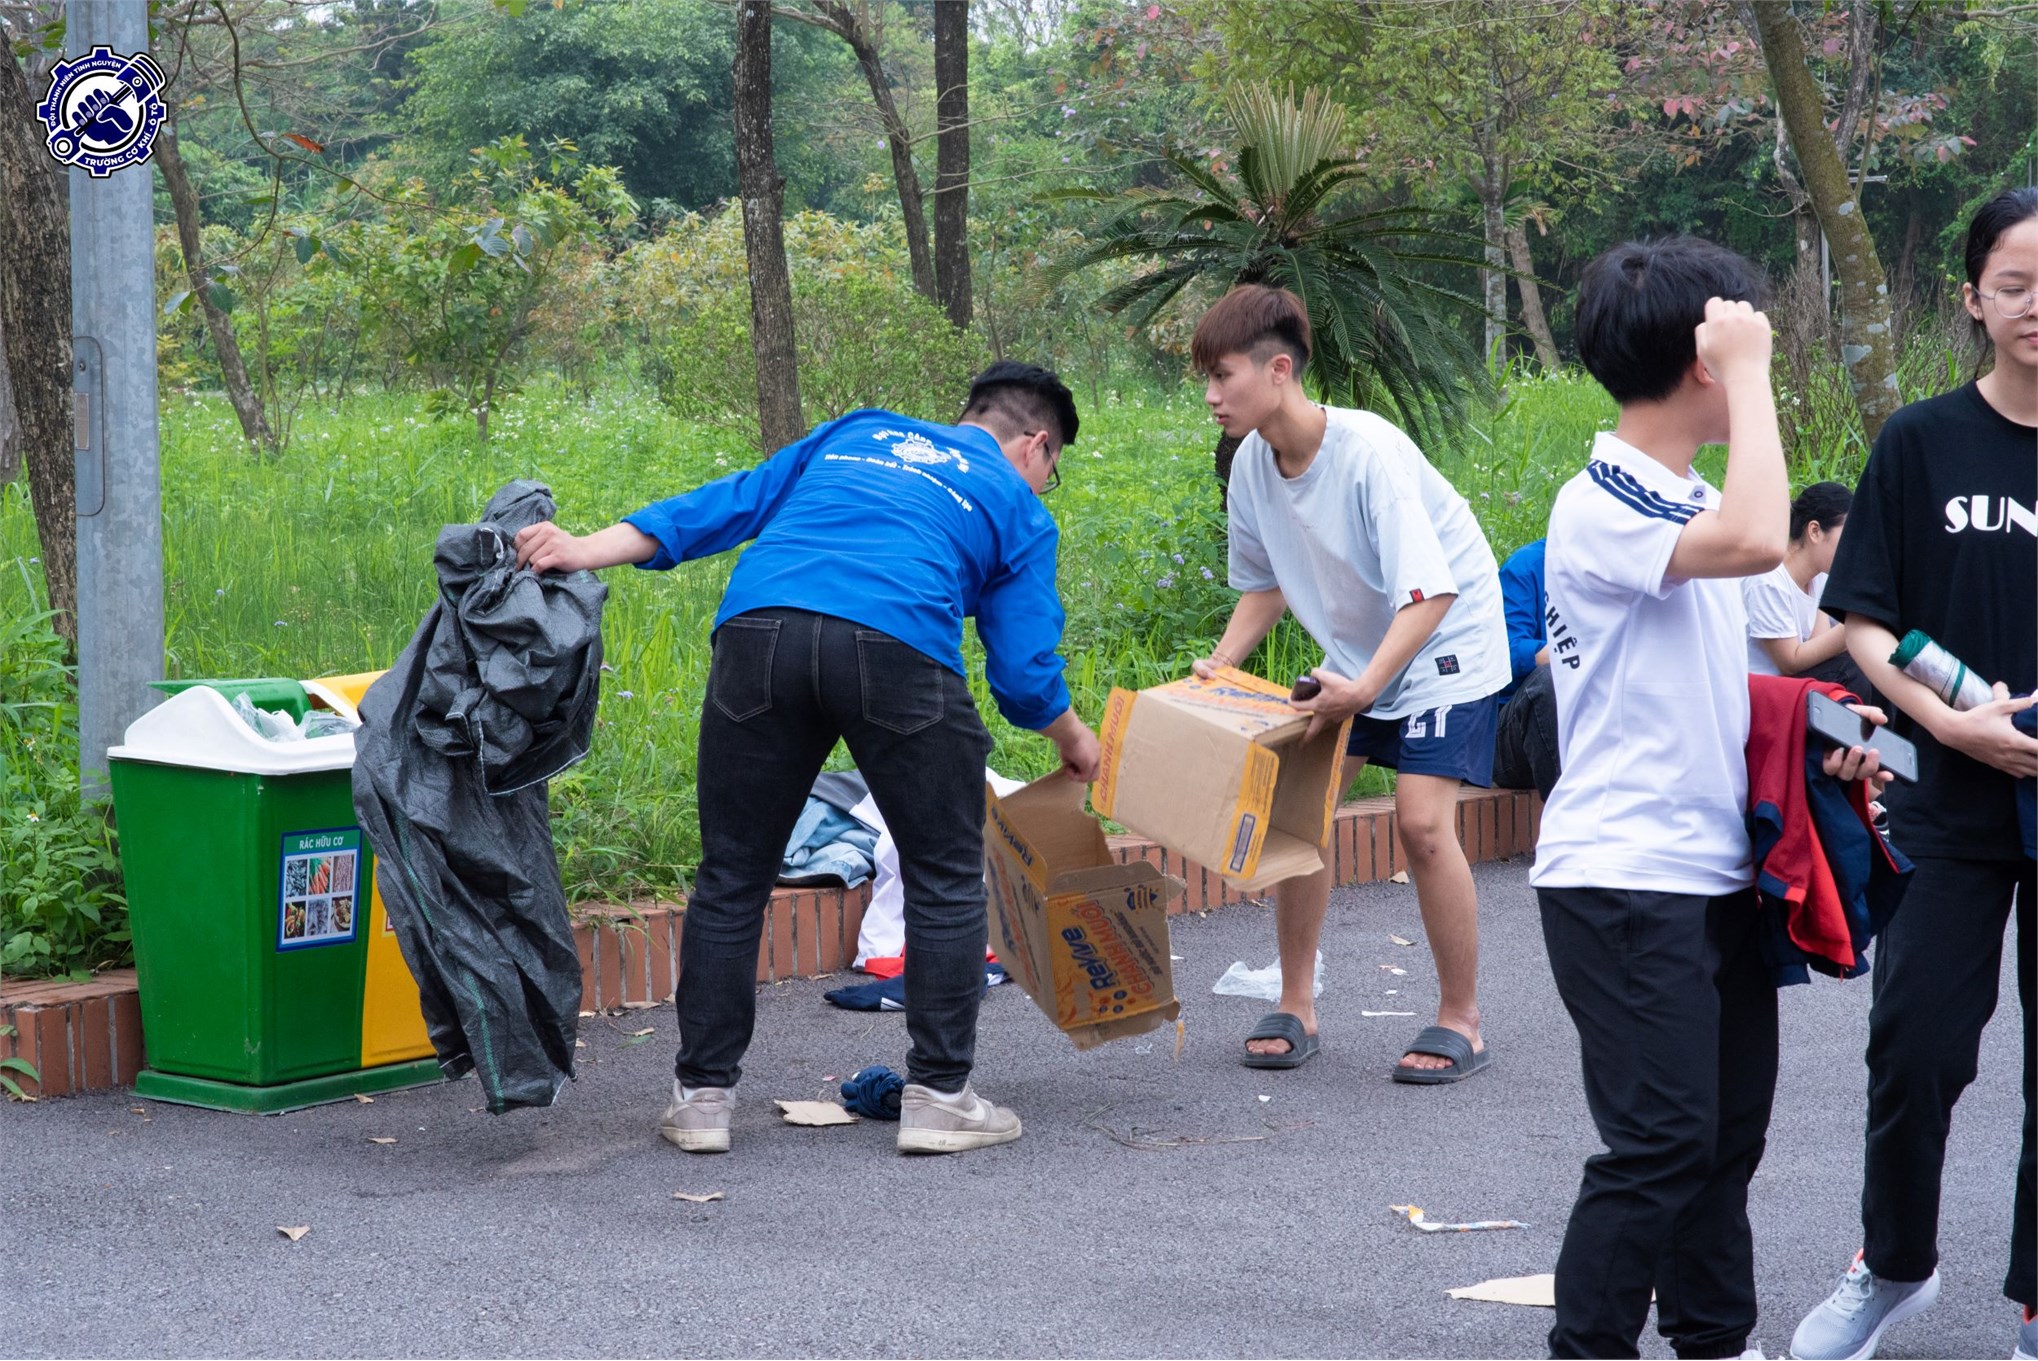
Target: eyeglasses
{"points": [[2011, 303]]}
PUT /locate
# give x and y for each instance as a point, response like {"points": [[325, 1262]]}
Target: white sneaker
{"points": [[1850, 1324], [2027, 1341], [699, 1124], [931, 1123]]}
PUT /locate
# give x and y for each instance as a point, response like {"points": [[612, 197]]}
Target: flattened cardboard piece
{"points": [[1221, 771], [1084, 937]]}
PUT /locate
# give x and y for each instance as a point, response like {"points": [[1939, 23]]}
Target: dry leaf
{"points": [[640, 1006], [580, 1044], [1537, 1291], [1398, 877], [1181, 1037], [640, 1034], [815, 1113], [700, 1199], [1401, 940], [364, 1100], [381, 1141], [294, 1234]]}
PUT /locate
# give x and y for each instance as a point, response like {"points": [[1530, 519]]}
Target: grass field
{"points": [[319, 562]]}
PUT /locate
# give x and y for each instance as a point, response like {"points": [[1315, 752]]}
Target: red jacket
{"points": [[1818, 854]]}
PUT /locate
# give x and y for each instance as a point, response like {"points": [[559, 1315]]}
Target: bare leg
{"points": [[1299, 906], [1425, 808]]}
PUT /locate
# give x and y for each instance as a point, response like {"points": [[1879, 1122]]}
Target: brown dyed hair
{"points": [[1253, 320]]}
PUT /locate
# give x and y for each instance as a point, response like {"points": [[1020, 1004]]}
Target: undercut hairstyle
{"points": [[1640, 304], [1011, 399], [1254, 320], [1824, 504]]}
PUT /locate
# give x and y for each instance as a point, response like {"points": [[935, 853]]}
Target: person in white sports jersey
{"points": [[1337, 517], [1644, 867]]}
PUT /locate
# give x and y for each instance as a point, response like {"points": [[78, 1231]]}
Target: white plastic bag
{"points": [[1265, 984]]}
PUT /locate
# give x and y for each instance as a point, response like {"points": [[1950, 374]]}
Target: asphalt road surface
{"points": [[1155, 1207]]}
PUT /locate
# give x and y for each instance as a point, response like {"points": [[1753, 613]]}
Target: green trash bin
{"points": [[247, 885]]}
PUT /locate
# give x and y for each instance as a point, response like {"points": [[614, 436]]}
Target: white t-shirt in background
{"points": [[1368, 528], [1651, 682], [1778, 609]]}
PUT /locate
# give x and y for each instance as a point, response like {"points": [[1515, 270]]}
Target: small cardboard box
{"points": [[1220, 771], [1085, 937]]}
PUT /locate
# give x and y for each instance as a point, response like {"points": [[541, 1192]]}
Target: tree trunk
{"points": [[10, 424], [247, 405], [1493, 278], [1866, 348], [1532, 299], [35, 321], [763, 193], [900, 139], [951, 174]]}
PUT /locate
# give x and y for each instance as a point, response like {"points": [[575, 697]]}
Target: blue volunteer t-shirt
{"points": [[899, 525]]}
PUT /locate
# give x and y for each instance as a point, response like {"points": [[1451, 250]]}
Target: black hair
{"points": [[1640, 303], [1990, 221], [1824, 504], [1012, 398]]}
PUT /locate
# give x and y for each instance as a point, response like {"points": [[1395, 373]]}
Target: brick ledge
{"points": [[86, 1036]]}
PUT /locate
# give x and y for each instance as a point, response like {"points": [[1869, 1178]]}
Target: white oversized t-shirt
{"points": [[1778, 609], [1651, 682], [1368, 528]]}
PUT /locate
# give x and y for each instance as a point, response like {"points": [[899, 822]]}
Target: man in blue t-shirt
{"points": [[876, 535]]}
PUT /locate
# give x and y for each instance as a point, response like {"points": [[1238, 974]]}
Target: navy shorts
{"points": [[1455, 742]]}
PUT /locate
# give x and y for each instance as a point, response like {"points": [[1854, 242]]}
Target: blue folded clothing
{"points": [[828, 846], [873, 1092], [890, 993]]}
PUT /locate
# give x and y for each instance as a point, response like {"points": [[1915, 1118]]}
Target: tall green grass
{"points": [[320, 562]]}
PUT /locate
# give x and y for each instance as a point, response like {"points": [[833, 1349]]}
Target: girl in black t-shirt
{"points": [[1944, 538]]}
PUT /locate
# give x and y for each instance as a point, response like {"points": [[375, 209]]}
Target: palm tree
{"points": [[1385, 335]]}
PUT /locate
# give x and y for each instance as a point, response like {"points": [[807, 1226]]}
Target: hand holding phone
{"points": [[1839, 726]]}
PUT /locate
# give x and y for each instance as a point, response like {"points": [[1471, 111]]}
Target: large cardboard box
{"points": [[1220, 770], [1085, 937]]}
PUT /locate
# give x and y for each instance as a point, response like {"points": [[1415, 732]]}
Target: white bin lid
{"points": [[197, 727]]}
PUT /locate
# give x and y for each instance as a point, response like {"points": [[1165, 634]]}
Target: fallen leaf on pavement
{"points": [[1401, 940], [1181, 1037], [1538, 1291], [698, 1199], [294, 1234], [639, 1036], [815, 1113], [580, 1044], [364, 1100], [1398, 877], [381, 1141]]}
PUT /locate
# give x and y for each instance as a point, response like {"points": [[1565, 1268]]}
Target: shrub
{"points": [[863, 336], [61, 909]]}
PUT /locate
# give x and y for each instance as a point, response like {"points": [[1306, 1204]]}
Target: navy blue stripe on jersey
{"points": [[1625, 488]]}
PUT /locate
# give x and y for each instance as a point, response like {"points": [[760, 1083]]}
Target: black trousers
{"points": [[784, 685], [1676, 1017], [1935, 978], [1525, 743]]}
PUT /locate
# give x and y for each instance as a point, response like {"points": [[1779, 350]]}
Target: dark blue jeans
{"points": [[784, 686]]}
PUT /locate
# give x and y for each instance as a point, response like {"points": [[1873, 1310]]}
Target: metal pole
{"points": [[120, 520]]}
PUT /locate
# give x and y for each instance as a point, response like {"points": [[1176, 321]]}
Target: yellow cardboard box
{"points": [[1220, 770], [1084, 937]]}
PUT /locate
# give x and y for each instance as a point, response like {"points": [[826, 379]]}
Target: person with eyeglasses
{"points": [[1943, 538], [875, 537]]}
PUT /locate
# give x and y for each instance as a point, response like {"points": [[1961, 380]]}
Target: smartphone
{"points": [[1306, 687], [1840, 726]]}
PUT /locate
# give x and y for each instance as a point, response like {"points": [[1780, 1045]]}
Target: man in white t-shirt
{"points": [[1644, 868], [1337, 517]]}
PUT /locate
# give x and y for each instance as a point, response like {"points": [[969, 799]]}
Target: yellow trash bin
{"points": [[392, 1025]]}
